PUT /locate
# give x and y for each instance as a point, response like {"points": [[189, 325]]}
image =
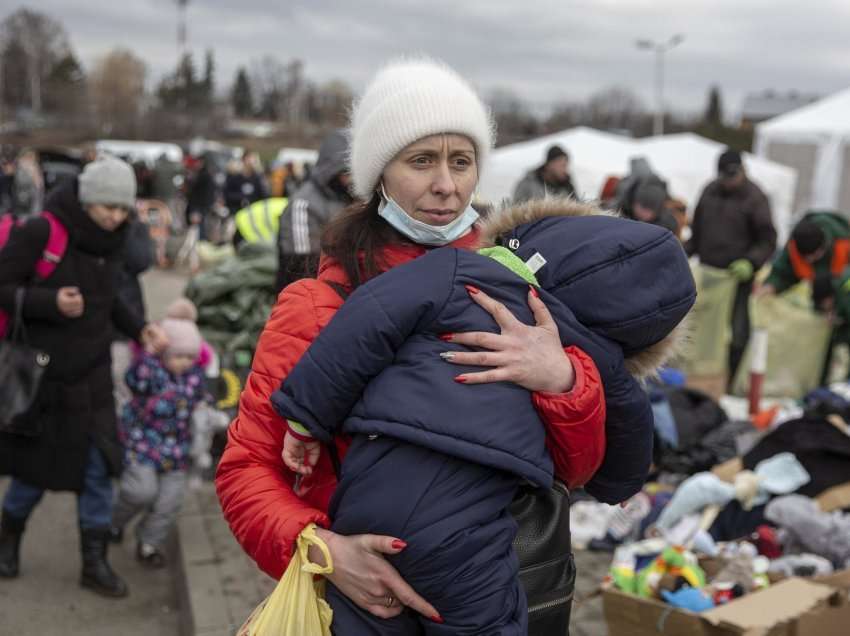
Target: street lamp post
{"points": [[660, 48]]}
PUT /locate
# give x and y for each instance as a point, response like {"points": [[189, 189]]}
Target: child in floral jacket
{"points": [[156, 427]]}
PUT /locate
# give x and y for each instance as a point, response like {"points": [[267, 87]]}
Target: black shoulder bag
{"points": [[542, 543], [21, 370]]}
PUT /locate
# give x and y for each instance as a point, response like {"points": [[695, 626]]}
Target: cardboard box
{"points": [[793, 607]]}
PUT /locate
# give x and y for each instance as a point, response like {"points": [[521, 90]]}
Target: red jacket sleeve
{"points": [[253, 485], [575, 422]]}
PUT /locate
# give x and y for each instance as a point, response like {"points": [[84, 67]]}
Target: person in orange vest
{"points": [[819, 252]]}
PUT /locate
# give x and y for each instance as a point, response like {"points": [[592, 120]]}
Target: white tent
{"points": [[594, 155], [815, 140], [686, 161]]}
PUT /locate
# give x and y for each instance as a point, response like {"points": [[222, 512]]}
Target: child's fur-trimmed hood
{"points": [[627, 280]]}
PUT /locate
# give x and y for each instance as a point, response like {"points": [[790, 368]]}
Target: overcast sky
{"points": [[544, 50]]}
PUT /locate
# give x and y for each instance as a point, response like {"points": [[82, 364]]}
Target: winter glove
{"points": [[742, 270]]}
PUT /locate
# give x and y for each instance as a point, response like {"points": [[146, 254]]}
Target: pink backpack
{"points": [[54, 250]]}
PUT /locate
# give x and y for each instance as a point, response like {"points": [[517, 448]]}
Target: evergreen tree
{"points": [[240, 95], [714, 110], [209, 77]]}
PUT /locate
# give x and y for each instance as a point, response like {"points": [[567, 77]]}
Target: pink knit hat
{"points": [[183, 337], [182, 308]]}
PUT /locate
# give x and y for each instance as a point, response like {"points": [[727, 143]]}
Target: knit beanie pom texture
{"points": [[183, 309], [406, 101], [183, 337]]}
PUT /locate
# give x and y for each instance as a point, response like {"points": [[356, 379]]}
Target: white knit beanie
{"points": [[406, 101]]}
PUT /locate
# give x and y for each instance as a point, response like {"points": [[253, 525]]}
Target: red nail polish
{"points": [[437, 619], [534, 291], [446, 336], [398, 544], [460, 379], [471, 289]]}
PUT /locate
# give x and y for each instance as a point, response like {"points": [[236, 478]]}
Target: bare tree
{"points": [[117, 90], [564, 116], [328, 105], [615, 108], [268, 80], [514, 119], [38, 43]]}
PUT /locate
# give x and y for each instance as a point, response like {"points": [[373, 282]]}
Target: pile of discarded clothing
{"points": [[234, 300], [774, 505]]}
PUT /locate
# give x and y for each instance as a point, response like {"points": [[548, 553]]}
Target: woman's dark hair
{"points": [[356, 239]]}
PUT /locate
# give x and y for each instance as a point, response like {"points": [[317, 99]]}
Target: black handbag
{"points": [[21, 370], [546, 566]]}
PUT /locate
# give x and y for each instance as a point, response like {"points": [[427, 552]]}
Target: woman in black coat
{"points": [[69, 315]]}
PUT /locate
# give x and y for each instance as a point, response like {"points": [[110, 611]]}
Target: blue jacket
{"points": [[625, 280], [375, 369], [156, 423]]}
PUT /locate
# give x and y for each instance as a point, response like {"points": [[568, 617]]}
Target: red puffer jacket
{"points": [[255, 488]]}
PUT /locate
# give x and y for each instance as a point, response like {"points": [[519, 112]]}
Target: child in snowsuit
{"points": [[437, 463], [157, 436]]}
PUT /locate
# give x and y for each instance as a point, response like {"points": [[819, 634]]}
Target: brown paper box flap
{"points": [[631, 615], [760, 611], [839, 579]]}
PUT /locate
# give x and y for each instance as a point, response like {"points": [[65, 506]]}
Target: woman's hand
{"points": [[70, 302], [154, 338], [363, 574], [531, 357]]}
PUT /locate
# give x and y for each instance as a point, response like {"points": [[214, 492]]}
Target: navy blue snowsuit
{"points": [[438, 463]]}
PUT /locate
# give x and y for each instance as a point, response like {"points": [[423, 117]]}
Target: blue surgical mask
{"points": [[423, 233]]}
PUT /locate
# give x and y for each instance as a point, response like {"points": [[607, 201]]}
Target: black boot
{"points": [[11, 531], [97, 574]]}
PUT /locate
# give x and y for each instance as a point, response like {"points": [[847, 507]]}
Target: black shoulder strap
{"points": [[339, 288]]}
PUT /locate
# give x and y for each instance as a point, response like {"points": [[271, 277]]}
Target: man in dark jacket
{"points": [[203, 192], [732, 229], [314, 204], [69, 316], [552, 179], [244, 186]]}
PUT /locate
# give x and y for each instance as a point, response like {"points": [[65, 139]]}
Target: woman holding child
{"points": [[419, 139]]}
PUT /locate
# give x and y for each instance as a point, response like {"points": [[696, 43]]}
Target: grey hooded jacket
{"points": [[312, 206]]}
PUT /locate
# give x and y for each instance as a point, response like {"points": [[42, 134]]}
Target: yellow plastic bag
{"points": [[797, 341], [707, 352], [297, 606]]}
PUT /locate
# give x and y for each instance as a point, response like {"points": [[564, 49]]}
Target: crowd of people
{"points": [[408, 426]]}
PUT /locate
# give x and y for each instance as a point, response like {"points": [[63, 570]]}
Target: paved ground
{"points": [[210, 587], [47, 600]]}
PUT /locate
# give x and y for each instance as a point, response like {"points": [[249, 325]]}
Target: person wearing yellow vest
{"points": [[819, 252], [260, 221]]}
